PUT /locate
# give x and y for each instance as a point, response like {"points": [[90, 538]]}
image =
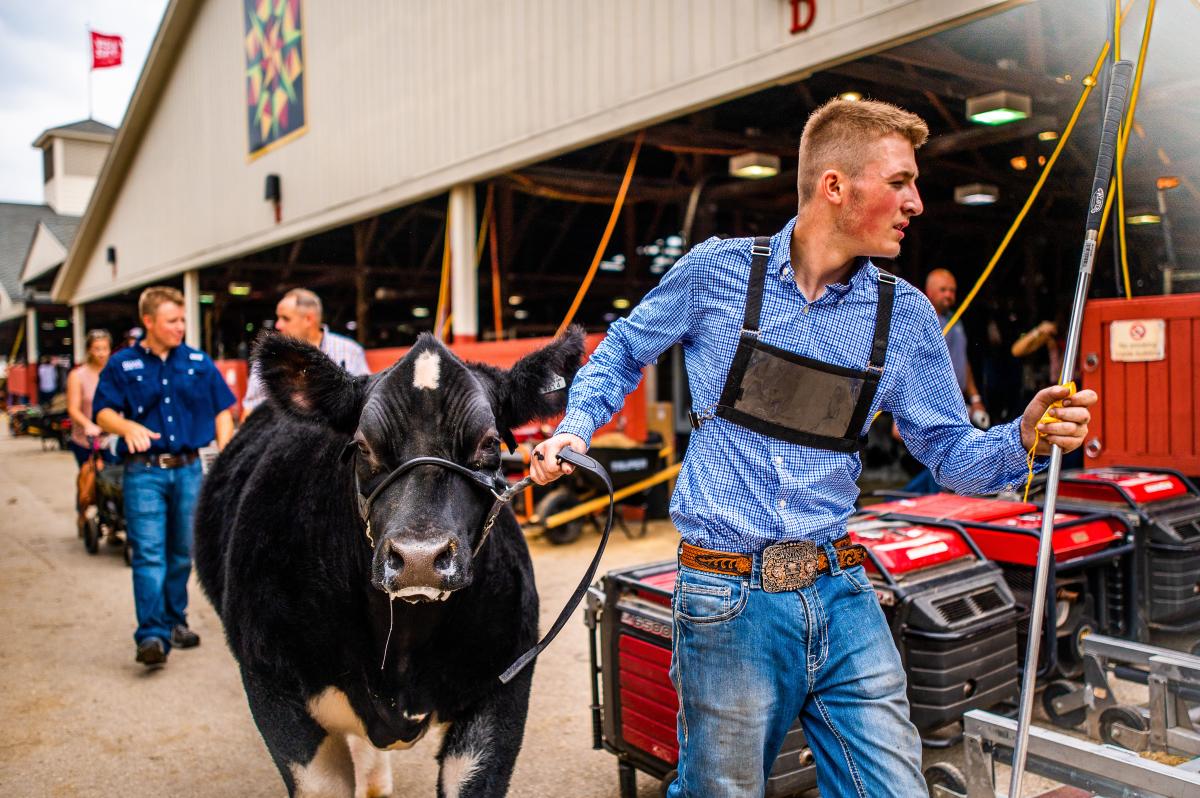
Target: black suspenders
{"points": [[767, 386]]}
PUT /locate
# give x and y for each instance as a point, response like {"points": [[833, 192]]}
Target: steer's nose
{"points": [[415, 566]]}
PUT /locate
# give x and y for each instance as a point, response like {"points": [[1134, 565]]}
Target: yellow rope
{"points": [[440, 321], [1088, 83], [608, 231], [481, 237]]}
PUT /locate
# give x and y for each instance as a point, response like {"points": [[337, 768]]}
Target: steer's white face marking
{"points": [[427, 371]]}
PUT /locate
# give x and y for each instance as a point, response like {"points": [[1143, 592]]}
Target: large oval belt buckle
{"points": [[790, 566]]}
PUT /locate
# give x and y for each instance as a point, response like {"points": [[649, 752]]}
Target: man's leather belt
{"points": [[785, 566], [165, 460]]}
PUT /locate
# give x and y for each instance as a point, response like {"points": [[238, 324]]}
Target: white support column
{"points": [[78, 334], [31, 337], [464, 277], [191, 308]]}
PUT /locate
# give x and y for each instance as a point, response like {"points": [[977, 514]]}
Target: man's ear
{"points": [[536, 387], [307, 384]]}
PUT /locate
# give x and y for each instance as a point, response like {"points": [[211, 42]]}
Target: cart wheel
{"points": [[91, 535], [945, 781], [666, 782], [1067, 720], [1123, 715], [127, 553], [1070, 648], [556, 502]]}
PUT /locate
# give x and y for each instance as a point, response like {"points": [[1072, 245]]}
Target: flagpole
{"points": [[88, 28]]}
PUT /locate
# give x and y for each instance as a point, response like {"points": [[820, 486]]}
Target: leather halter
{"points": [[487, 483], [476, 478]]}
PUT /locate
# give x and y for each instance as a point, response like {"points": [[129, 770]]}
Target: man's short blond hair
{"points": [[305, 300], [839, 135], [155, 295]]}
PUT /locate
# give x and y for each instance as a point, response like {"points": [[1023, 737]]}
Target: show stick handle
{"points": [[1114, 111]]}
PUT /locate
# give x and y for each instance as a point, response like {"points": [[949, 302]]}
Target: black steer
{"points": [[349, 644]]}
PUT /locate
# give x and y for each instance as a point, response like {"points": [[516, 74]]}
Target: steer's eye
{"points": [[487, 455], [366, 458]]}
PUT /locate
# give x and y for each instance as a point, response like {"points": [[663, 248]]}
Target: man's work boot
{"points": [[152, 653], [183, 637]]}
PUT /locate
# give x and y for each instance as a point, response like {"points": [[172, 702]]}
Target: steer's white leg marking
{"points": [[330, 774], [372, 768], [460, 768], [427, 371]]}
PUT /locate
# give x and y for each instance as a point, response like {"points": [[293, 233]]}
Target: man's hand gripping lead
{"points": [[544, 466]]}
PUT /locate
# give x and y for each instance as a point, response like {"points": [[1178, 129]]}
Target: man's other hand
{"points": [[544, 466], [1070, 426], [138, 438]]}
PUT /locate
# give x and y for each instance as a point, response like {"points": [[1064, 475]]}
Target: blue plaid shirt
{"points": [[743, 491]]}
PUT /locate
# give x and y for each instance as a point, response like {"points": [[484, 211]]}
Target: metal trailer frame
{"points": [[1167, 723], [1104, 769]]}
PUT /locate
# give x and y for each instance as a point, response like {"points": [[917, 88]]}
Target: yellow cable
{"points": [[608, 231], [439, 320], [1088, 83], [481, 238]]}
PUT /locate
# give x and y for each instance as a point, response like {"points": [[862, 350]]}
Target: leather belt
{"points": [[164, 460], [785, 566]]}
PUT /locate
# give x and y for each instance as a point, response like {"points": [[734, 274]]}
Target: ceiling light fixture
{"points": [[621, 303], [976, 194], [1019, 162], [515, 299], [1048, 135], [754, 165], [239, 289], [999, 108], [850, 96], [420, 312]]}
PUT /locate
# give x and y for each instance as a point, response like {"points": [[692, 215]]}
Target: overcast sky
{"points": [[44, 59]]}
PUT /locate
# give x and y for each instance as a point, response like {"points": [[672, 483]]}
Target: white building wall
{"points": [[406, 99]]}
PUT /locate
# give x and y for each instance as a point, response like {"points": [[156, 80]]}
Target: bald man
{"points": [[942, 290], [298, 315]]}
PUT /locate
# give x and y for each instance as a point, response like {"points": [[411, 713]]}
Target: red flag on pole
{"points": [[106, 50]]}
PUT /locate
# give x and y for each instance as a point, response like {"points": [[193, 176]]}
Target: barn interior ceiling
{"points": [[380, 276]]}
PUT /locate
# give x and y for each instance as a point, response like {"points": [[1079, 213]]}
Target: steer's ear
{"points": [[307, 384], [536, 387]]}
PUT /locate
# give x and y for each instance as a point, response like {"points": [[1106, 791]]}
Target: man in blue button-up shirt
{"points": [[747, 662], [165, 400]]}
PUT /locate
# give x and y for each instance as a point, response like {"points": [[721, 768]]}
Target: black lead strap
{"points": [[594, 468]]}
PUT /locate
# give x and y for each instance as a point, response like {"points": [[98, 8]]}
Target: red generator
{"points": [[1091, 587], [1164, 508], [634, 702]]}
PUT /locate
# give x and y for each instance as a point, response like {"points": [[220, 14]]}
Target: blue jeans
{"points": [[160, 504], [746, 663]]}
